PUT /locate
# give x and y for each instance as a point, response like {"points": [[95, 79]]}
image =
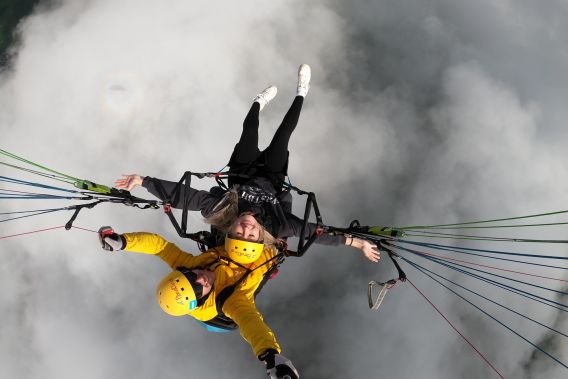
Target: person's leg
{"points": [[246, 150], [276, 153]]}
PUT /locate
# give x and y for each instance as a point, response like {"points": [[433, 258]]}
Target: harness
{"points": [[380, 236], [207, 240], [221, 321]]}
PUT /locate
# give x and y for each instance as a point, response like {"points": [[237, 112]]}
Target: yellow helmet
{"points": [[175, 293], [242, 251]]}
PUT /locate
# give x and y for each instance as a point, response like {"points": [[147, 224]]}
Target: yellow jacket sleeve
{"points": [[242, 310], [149, 243]]}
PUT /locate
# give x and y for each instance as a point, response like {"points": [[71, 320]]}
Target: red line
{"points": [[88, 230], [493, 267], [34, 231], [43, 230], [457, 331]]}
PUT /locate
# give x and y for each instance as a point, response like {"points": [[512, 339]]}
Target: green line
{"points": [[78, 183], [480, 238], [488, 227], [14, 156], [46, 175], [482, 222]]}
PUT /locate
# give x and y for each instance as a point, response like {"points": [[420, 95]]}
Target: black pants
{"points": [[246, 157]]}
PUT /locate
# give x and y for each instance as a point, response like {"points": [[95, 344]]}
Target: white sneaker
{"points": [[265, 96], [304, 76]]}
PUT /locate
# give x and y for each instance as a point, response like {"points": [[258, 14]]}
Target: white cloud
{"points": [[417, 113]]}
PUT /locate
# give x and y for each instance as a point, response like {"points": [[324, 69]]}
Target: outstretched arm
{"points": [[368, 249], [149, 243], [295, 225], [242, 310], [202, 201], [152, 244]]}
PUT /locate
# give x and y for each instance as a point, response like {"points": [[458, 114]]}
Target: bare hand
{"points": [[371, 251], [128, 182]]}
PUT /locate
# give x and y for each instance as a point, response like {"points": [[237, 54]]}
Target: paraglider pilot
{"points": [[218, 287]]}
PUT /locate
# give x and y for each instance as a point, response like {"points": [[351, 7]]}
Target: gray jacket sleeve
{"points": [[295, 224], [199, 200]]}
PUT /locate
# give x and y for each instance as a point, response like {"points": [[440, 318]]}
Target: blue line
{"points": [[492, 317], [23, 182], [41, 197], [481, 238], [488, 299], [486, 251], [35, 214], [516, 290], [453, 249], [35, 210], [492, 274], [497, 284]]}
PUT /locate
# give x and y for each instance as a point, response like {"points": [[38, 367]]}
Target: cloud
{"points": [[418, 113]]}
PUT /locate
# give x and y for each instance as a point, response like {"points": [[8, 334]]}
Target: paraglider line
{"points": [[494, 267], [425, 234], [490, 316], [469, 250], [85, 229], [34, 214], [33, 231], [484, 221], [528, 295], [418, 267], [44, 230], [33, 184], [419, 253], [457, 331]]}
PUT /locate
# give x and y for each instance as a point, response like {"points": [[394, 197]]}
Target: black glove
{"points": [[110, 240], [278, 366]]}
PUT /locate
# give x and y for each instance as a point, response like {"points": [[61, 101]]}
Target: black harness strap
{"points": [[209, 240], [221, 320], [204, 239], [381, 245]]}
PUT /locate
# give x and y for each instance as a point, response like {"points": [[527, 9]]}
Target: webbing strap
{"points": [[381, 245], [174, 196], [375, 302], [229, 290]]}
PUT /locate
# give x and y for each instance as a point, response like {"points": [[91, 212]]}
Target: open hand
{"points": [[370, 250], [128, 182]]}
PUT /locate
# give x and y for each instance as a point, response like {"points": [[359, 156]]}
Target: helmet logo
{"points": [[174, 288], [249, 256], [192, 304]]}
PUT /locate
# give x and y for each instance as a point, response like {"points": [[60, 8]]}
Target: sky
{"points": [[419, 112]]}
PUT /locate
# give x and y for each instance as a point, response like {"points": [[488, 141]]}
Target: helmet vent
{"points": [[182, 288]]}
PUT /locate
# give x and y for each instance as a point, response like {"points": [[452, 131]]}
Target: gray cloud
{"points": [[419, 112]]}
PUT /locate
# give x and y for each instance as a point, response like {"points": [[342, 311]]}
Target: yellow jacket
{"points": [[240, 306]]}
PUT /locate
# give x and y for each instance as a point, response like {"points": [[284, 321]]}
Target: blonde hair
{"points": [[226, 213]]}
